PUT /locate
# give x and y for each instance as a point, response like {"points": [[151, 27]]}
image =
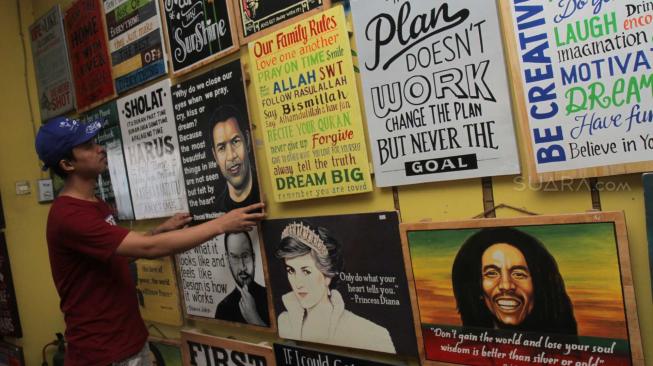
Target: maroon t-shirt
{"points": [[98, 295]]}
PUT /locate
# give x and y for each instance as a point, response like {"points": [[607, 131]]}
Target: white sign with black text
{"points": [[436, 90], [151, 148]]}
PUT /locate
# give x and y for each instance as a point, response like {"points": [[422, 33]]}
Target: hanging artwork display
{"points": [[215, 141], [551, 290], [113, 184], [9, 319], [305, 85], [151, 151], [257, 18], [198, 32], [350, 282], [585, 78], [219, 275], [89, 56], [437, 98], [135, 42], [157, 291], [202, 349], [54, 80], [286, 355]]}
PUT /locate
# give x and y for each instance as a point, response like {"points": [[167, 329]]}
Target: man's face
{"points": [[241, 258], [307, 282], [90, 159], [230, 152], [507, 284]]}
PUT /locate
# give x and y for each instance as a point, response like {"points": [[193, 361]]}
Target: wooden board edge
{"points": [[167, 341], [516, 89], [625, 269], [595, 172]]}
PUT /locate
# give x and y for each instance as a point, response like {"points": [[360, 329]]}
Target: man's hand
{"points": [[241, 219], [177, 221], [247, 307]]}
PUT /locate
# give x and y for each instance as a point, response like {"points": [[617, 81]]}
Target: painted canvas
{"points": [[544, 290]]}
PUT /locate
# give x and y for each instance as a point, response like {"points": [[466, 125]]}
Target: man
{"points": [[248, 302], [504, 278], [231, 147], [89, 253]]}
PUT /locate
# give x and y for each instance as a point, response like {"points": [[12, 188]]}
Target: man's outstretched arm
{"points": [[176, 241]]}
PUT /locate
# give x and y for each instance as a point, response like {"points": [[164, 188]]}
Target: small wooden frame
{"points": [[591, 251], [297, 4], [177, 71], [522, 115], [196, 346]]}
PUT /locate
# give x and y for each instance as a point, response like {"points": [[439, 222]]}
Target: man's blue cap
{"points": [[59, 135]]}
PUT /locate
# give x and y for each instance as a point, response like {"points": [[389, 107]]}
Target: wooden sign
{"points": [[582, 74], [337, 284], [50, 55], [198, 32], [89, 57], [215, 277], [257, 18], [215, 140], [157, 290], [135, 42], [304, 81], [151, 151], [437, 99], [202, 349], [553, 290]]}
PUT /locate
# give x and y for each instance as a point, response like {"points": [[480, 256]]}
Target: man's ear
{"points": [[66, 166]]}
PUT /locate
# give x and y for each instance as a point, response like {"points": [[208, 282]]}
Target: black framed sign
{"points": [[198, 32]]}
